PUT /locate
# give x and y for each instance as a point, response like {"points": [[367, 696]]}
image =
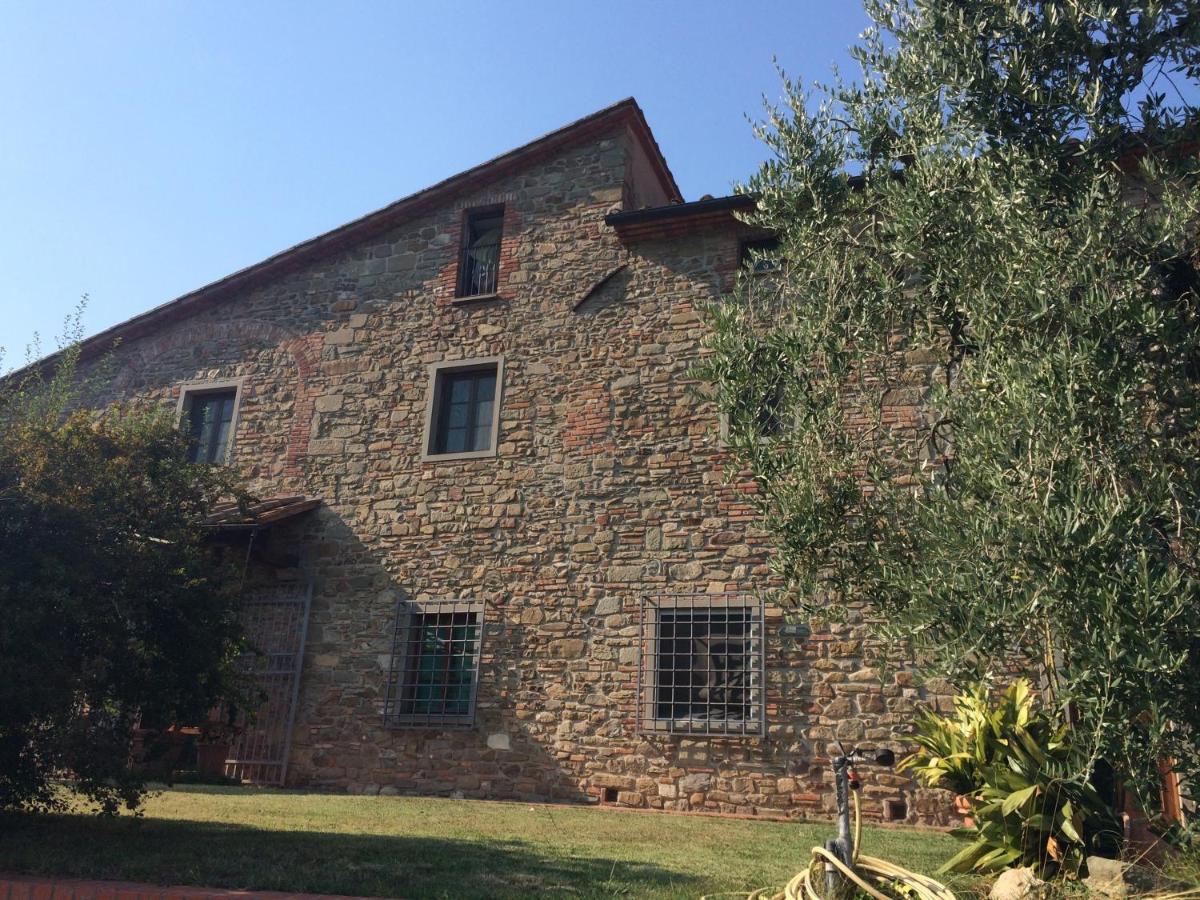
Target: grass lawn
{"points": [[416, 848]]}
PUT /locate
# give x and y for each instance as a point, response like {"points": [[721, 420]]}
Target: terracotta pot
{"points": [[962, 806]]}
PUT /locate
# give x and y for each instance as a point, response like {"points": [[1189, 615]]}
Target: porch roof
{"points": [[227, 516]]}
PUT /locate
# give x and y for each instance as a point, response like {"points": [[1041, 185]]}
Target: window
{"points": [[766, 414], [768, 421], [479, 266], [702, 665], [463, 416], [209, 418], [435, 665], [758, 256]]}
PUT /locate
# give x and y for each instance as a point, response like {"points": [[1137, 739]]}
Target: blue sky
{"points": [[150, 148]]}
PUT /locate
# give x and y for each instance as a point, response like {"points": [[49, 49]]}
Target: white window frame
{"points": [[650, 671]]}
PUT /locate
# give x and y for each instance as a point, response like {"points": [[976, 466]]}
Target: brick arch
{"points": [[304, 350]]}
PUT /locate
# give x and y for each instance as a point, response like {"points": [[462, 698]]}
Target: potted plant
{"points": [[1030, 799]]}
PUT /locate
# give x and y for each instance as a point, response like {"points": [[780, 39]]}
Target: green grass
{"points": [[417, 847]]}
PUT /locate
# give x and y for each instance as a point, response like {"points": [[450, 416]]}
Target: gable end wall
{"points": [[608, 486]]}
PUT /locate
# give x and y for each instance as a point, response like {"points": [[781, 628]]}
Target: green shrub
{"points": [[1028, 786]]}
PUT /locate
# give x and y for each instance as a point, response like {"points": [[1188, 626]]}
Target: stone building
{"points": [[498, 555]]}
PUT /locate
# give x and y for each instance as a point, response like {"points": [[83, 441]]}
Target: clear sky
{"points": [[148, 148]]}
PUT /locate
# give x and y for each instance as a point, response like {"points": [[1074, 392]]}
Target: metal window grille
{"points": [[434, 675], [702, 669], [479, 266]]}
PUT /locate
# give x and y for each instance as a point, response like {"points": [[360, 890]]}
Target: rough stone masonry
{"points": [[606, 486]]}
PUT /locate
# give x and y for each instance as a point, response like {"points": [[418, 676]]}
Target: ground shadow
{"points": [[232, 856]]}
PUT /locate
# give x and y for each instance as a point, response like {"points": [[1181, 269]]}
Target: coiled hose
{"points": [[871, 875]]}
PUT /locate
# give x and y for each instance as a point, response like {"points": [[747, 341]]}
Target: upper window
{"points": [[208, 419], [702, 666], [463, 416], [759, 256], [479, 266], [435, 665]]}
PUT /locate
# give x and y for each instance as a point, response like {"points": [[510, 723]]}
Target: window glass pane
{"points": [[201, 433], [220, 441], [460, 388], [440, 670], [455, 441], [486, 232], [457, 415], [704, 661], [202, 428], [483, 425]]}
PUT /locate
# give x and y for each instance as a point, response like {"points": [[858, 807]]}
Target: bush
{"points": [[115, 608]]}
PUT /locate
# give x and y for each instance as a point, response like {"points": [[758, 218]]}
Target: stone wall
{"points": [[608, 485]]}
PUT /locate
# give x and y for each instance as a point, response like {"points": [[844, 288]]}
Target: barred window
{"points": [[434, 673], [702, 665]]}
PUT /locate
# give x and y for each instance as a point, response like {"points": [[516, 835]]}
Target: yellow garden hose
{"points": [[877, 877]]}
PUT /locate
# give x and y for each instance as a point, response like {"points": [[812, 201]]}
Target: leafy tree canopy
{"points": [[113, 607], [982, 339]]}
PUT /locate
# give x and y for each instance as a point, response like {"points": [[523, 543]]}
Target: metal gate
{"points": [[276, 623]]}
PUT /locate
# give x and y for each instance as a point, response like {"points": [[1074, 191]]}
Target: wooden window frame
{"points": [[650, 672]]}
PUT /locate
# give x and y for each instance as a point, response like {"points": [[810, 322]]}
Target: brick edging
{"points": [[31, 887]]}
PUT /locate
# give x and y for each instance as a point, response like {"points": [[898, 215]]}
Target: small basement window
{"points": [[702, 665], [434, 673], [209, 418], [463, 415], [479, 265]]}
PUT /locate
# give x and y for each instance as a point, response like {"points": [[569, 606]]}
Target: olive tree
{"points": [[982, 342]]}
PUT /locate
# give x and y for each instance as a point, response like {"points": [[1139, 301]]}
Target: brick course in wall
{"points": [[608, 485]]}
